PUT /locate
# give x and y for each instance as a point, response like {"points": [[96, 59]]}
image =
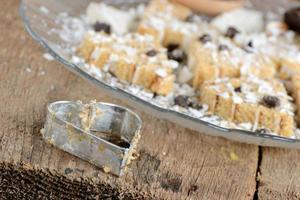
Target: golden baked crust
{"points": [[264, 104], [221, 67], [134, 58]]}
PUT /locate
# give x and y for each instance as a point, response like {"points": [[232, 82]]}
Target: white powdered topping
{"points": [[215, 87], [276, 28], [161, 72], [130, 51], [72, 29], [143, 38], [183, 89], [211, 46], [100, 12], [95, 71], [247, 126], [196, 113], [170, 63], [297, 133], [48, 56], [44, 10], [221, 80], [114, 58], [96, 53], [251, 97], [236, 99], [239, 18], [275, 42], [152, 59], [224, 95], [99, 37], [185, 75], [229, 87], [212, 119], [77, 60], [156, 22], [265, 88], [183, 27]]}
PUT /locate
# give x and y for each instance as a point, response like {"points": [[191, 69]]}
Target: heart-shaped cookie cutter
{"points": [[101, 133]]}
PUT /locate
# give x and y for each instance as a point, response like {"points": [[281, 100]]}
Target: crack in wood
{"points": [[255, 196], [25, 96], [193, 188]]}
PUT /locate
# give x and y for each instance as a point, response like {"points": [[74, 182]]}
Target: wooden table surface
{"points": [[174, 163]]}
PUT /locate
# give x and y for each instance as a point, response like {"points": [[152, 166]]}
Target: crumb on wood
{"points": [[233, 156], [106, 169], [48, 56]]}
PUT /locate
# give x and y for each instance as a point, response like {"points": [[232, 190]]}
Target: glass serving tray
{"points": [[40, 17]]}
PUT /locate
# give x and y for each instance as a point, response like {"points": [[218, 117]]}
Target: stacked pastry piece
{"points": [[262, 103], [213, 58], [236, 81], [134, 58], [281, 46], [236, 75], [278, 44], [158, 18]]}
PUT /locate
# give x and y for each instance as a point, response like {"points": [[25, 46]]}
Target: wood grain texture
{"points": [[174, 163], [279, 174]]}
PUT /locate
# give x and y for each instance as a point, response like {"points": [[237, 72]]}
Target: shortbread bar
{"points": [[168, 8], [91, 41], [296, 93], [160, 15], [264, 104], [211, 58], [277, 44], [288, 67], [133, 58]]}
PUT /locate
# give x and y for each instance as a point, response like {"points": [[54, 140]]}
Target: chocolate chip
{"points": [[177, 55], [249, 47], [195, 105], [172, 47], [261, 131], [186, 101], [205, 38], [270, 101], [182, 101], [98, 26], [151, 53], [223, 47], [238, 89], [231, 32], [250, 44], [190, 18], [292, 19]]}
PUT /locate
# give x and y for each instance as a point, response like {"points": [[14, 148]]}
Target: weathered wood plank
{"points": [[279, 174], [174, 163]]}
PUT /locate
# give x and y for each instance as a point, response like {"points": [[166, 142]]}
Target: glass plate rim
{"points": [[279, 140]]}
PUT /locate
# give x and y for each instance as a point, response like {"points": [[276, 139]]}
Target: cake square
{"points": [[225, 107], [263, 103], [245, 113]]}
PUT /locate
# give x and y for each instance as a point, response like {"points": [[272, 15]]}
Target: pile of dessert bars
{"points": [[243, 78]]}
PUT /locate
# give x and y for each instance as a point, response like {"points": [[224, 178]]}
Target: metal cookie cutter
{"points": [[101, 133]]}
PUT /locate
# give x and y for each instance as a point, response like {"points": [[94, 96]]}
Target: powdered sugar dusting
{"points": [[73, 30]]}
